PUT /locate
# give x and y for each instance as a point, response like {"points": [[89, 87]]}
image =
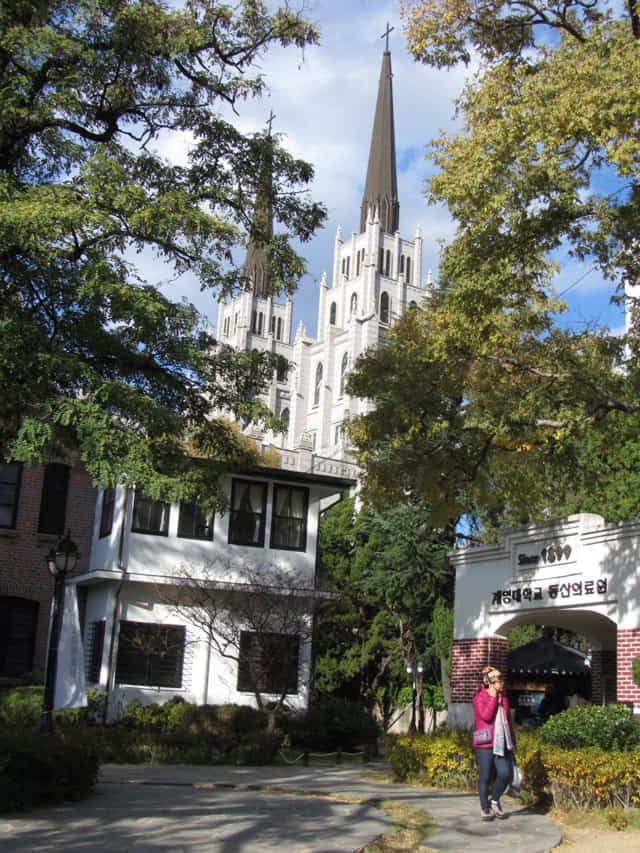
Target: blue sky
{"points": [[324, 100]]}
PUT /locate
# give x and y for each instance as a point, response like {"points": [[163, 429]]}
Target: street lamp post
{"points": [[415, 671], [60, 560]]}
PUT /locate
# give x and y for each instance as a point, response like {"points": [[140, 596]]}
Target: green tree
{"points": [[91, 356], [389, 569], [484, 402]]}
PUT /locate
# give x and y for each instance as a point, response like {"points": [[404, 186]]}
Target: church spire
{"points": [[261, 230], [381, 186]]}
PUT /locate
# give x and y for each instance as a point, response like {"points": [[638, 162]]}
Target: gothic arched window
{"points": [[354, 303], [343, 372], [332, 314], [408, 270], [318, 385], [285, 418], [384, 307]]}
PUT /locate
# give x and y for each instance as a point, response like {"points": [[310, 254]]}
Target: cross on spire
{"points": [[385, 34], [270, 121]]}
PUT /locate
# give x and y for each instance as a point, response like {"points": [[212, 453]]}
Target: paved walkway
{"points": [[260, 810]]}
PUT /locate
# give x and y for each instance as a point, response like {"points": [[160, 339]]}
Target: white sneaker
{"points": [[497, 811], [486, 814]]}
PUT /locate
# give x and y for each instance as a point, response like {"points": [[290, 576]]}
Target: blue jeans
{"points": [[503, 767]]}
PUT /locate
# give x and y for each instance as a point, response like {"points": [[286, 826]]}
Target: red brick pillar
{"points": [[603, 676], [468, 658], [628, 649]]}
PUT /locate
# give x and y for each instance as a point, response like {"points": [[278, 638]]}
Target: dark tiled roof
{"points": [[548, 656]]}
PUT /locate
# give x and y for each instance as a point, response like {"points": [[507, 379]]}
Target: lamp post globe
{"points": [[60, 560], [415, 671]]}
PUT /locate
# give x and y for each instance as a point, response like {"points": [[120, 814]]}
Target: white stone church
{"points": [[376, 275]]}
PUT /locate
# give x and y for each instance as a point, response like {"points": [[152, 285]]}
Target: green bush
{"points": [[610, 728], [178, 732], [330, 724], [37, 769], [21, 706]]}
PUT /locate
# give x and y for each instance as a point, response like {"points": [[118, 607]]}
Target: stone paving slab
{"points": [[259, 810]]}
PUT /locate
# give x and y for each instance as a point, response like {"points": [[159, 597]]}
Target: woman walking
{"points": [[494, 741]]}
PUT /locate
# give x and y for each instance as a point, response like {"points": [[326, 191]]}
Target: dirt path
{"points": [[588, 839]]}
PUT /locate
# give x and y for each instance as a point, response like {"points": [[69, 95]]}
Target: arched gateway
{"points": [[578, 573]]}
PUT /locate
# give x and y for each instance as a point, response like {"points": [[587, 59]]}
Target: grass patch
{"points": [[596, 819], [410, 826]]}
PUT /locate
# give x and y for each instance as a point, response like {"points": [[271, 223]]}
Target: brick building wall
{"points": [[468, 658], [603, 677], [26, 586], [628, 649]]}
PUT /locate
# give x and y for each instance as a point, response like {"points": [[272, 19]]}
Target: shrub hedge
{"points": [[178, 732], [445, 760], [37, 768], [573, 778], [584, 778]]}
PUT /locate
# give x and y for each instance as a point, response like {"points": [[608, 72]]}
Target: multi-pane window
{"points": [[18, 623], [282, 369], [318, 384], [95, 648], [53, 503], [106, 516], [150, 516], [10, 475], [193, 523], [384, 307], [343, 372], [248, 511], [268, 662], [289, 518], [150, 655]]}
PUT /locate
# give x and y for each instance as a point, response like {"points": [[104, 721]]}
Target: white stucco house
{"points": [[139, 644]]}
